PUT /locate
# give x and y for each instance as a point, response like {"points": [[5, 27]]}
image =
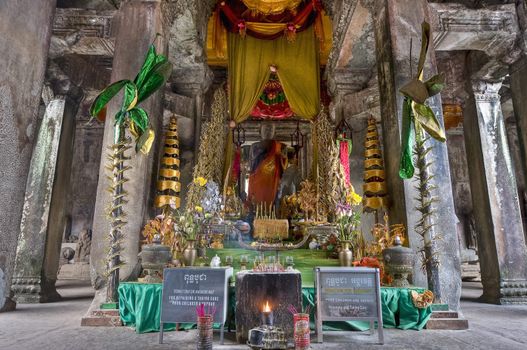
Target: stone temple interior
{"points": [[58, 55]]}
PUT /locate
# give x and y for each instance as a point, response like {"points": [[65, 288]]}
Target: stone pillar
{"points": [[518, 76], [137, 23], [501, 242], [43, 217], [395, 22], [24, 44]]}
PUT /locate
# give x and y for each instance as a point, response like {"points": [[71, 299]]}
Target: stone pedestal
{"points": [[24, 43], [501, 241], [395, 23], [137, 23], [75, 271], [254, 289], [42, 224]]}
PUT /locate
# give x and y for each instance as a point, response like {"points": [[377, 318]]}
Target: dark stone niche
{"points": [[253, 289]]}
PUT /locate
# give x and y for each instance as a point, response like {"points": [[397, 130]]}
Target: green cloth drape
{"points": [[140, 306]]}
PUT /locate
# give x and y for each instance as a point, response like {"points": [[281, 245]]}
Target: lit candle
{"points": [[267, 315]]}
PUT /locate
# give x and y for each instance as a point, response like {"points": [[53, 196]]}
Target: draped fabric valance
{"points": [[297, 66], [272, 28], [271, 6]]}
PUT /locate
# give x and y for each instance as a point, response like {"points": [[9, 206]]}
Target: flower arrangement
{"points": [[164, 228], [348, 220], [189, 224], [384, 237]]}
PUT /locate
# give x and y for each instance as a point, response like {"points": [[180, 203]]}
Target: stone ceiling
{"points": [[83, 29]]}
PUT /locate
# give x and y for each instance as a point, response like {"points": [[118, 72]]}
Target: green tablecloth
{"points": [[140, 306]]}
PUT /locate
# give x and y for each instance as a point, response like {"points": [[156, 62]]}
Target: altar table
{"points": [[140, 307]]}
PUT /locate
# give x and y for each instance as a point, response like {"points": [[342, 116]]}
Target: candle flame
{"points": [[267, 308]]}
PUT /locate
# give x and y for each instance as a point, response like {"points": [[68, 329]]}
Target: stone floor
{"points": [[55, 326]]}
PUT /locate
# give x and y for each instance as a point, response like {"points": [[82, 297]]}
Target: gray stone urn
{"points": [[154, 258], [399, 262]]}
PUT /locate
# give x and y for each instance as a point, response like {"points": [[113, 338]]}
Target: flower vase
{"points": [[190, 253], [345, 254]]}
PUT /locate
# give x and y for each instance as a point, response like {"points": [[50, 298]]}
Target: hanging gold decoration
{"points": [[271, 7], [374, 176], [211, 148], [168, 185]]}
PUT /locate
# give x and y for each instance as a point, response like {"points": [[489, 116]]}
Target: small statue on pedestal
{"points": [[82, 250]]}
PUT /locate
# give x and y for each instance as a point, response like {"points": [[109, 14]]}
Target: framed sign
{"points": [[348, 294], [186, 288]]}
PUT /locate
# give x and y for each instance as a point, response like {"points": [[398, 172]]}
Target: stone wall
{"points": [[85, 173], [24, 45]]}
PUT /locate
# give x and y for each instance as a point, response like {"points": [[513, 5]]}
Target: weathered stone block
{"points": [[76, 271], [254, 289], [102, 318], [447, 324]]}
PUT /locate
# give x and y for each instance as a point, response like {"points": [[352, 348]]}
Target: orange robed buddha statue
{"points": [[266, 161]]}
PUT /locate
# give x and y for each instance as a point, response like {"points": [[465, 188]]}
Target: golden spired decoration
{"points": [[374, 175], [168, 184], [331, 183], [271, 7], [211, 148]]}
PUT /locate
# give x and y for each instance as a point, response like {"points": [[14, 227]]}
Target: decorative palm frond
{"points": [[153, 74], [419, 124]]}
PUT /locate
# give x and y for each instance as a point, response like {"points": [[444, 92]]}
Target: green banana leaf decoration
{"points": [[153, 74], [417, 116]]}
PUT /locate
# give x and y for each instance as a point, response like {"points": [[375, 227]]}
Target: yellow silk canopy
{"points": [[297, 65]]}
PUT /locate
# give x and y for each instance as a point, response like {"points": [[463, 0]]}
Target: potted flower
{"points": [[348, 221], [189, 226]]}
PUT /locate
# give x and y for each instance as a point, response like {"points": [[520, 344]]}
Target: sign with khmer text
{"points": [[186, 288], [346, 294]]}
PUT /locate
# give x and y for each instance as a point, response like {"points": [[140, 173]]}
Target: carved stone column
{"points": [[24, 44], [518, 76], [501, 242], [43, 217], [395, 22], [136, 25]]}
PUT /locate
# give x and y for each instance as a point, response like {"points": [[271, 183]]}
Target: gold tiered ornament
{"points": [[374, 175], [168, 184]]}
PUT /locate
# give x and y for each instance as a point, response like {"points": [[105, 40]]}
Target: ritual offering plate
{"points": [[267, 338]]}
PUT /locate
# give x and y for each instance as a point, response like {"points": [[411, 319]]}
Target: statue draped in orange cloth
{"points": [[266, 168]]}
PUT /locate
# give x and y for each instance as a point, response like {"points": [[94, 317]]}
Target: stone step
{"points": [[444, 314], [447, 323], [440, 307], [103, 313], [102, 318], [95, 321]]}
